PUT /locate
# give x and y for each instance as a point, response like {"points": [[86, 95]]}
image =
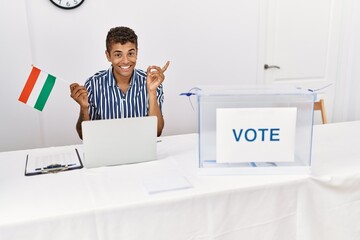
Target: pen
{"points": [[52, 166]]}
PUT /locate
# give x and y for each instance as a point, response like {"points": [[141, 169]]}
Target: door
{"points": [[300, 45]]}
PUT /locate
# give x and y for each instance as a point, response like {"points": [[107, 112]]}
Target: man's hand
{"points": [[79, 94], [155, 76]]}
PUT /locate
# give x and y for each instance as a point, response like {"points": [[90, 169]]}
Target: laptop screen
{"points": [[119, 141]]}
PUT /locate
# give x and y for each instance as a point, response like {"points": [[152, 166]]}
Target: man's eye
{"points": [[131, 54], [117, 55]]}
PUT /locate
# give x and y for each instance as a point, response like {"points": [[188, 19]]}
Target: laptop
{"points": [[119, 141]]}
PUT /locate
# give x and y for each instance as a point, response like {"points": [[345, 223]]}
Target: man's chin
{"points": [[126, 74]]}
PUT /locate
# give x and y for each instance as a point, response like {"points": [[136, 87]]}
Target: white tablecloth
{"points": [[114, 203]]}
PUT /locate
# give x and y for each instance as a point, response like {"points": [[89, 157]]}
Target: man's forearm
{"points": [[154, 110], [83, 116]]}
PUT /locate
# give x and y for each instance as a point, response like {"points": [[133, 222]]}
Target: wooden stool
{"points": [[320, 106]]}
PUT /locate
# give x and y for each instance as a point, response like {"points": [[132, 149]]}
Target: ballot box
{"points": [[254, 130]]}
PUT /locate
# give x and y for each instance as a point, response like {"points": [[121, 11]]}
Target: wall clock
{"points": [[67, 4]]}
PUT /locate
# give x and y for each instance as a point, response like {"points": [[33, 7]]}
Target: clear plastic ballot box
{"points": [[254, 130]]}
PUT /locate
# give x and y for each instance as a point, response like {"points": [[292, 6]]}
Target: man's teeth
{"points": [[125, 67]]}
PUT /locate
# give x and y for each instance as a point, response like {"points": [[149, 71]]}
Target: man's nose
{"points": [[125, 59]]}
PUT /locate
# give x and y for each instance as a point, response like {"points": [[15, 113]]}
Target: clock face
{"points": [[67, 4]]}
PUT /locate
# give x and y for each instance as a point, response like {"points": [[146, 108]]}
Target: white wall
{"points": [[20, 126], [347, 98], [355, 68], [206, 41]]}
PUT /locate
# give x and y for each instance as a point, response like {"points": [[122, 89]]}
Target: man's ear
{"points": [[107, 55]]}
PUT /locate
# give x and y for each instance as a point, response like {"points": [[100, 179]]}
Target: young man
{"points": [[121, 91]]}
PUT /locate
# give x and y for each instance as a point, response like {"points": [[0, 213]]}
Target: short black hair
{"points": [[120, 35]]}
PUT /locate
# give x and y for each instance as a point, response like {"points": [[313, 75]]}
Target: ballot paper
{"points": [[52, 160], [166, 183], [163, 176]]}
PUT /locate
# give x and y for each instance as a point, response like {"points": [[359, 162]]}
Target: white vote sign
{"points": [[255, 134]]}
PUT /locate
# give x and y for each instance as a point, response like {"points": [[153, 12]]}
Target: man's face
{"points": [[123, 59]]}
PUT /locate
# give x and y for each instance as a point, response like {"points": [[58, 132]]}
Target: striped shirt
{"points": [[107, 101]]}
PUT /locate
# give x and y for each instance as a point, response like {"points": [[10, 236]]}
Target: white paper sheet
{"points": [[165, 183]]}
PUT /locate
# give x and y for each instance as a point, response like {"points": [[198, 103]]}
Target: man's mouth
{"points": [[125, 67]]}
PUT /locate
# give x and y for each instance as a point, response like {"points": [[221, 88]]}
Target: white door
{"points": [[300, 45]]}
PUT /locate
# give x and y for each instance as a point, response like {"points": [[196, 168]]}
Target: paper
{"points": [[52, 160], [264, 164], [255, 134], [165, 183]]}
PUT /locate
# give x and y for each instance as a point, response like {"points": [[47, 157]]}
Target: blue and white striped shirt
{"points": [[107, 101]]}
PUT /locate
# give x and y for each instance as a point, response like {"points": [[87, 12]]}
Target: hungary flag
{"points": [[37, 89]]}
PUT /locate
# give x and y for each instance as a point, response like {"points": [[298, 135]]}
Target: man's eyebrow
{"points": [[118, 51]]}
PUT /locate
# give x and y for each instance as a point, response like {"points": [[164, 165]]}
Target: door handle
{"points": [[270, 66]]}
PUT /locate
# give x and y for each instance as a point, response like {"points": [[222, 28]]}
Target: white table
{"points": [[112, 202]]}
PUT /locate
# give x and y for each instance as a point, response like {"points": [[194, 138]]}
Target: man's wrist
{"points": [[152, 97], [84, 112], [152, 92]]}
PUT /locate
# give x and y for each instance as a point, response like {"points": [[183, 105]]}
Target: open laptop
{"points": [[119, 141]]}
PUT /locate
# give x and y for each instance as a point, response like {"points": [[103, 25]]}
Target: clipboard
{"points": [[52, 160]]}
